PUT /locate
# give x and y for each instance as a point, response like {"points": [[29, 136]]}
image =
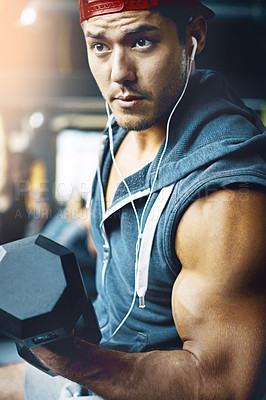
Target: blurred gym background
{"points": [[51, 115]]}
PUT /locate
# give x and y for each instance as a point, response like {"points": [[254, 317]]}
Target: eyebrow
{"points": [[141, 29], [91, 35]]}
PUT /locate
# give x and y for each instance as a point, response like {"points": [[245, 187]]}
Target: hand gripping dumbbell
{"points": [[42, 296]]}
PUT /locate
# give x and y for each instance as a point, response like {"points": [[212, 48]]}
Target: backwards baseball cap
{"points": [[101, 7]]}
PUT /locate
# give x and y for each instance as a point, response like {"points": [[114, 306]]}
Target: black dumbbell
{"points": [[42, 296]]}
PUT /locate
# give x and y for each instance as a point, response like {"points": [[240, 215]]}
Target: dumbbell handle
{"points": [[86, 329], [25, 353]]}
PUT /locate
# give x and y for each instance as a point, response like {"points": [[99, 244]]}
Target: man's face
{"points": [[138, 63]]}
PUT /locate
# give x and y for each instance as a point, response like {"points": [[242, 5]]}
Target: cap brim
{"points": [[206, 12]]}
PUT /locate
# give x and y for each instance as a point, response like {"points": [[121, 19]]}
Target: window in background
{"points": [[3, 157], [76, 163]]}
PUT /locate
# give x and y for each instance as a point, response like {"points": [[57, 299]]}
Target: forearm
{"points": [[120, 376]]}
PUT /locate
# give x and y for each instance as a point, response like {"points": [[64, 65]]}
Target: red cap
{"points": [[102, 7]]}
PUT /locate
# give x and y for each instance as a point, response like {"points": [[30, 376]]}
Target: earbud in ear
{"points": [[194, 48]]}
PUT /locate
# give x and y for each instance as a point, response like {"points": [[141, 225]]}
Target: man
{"points": [[178, 217]]}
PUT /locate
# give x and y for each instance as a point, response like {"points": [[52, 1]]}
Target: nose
{"points": [[123, 68]]}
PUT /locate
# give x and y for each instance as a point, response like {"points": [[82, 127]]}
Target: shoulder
{"points": [[225, 228]]}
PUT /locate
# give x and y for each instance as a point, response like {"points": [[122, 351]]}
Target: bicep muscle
{"points": [[219, 297]]}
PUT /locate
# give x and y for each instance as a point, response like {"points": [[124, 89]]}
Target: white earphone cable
{"points": [[141, 220]]}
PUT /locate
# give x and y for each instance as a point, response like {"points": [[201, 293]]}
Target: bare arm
{"points": [[219, 297], [219, 311]]}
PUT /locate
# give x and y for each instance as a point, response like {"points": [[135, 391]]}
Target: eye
{"points": [[99, 48], [143, 43]]}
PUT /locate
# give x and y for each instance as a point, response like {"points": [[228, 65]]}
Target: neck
{"points": [[150, 139]]}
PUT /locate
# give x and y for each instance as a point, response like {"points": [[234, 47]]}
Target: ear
{"points": [[197, 27]]}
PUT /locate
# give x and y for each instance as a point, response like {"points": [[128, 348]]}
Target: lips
{"points": [[129, 98], [128, 101]]}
